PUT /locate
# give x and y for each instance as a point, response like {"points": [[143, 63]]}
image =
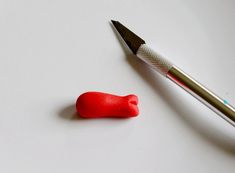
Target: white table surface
{"points": [[52, 51]]}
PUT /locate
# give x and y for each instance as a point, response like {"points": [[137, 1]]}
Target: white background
{"points": [[51, 51]]}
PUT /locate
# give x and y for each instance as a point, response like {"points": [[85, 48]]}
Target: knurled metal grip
{"points": [[155, 60]]}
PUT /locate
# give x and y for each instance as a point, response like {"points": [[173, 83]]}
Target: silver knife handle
{"points": [[211, 100], [159, 63]]}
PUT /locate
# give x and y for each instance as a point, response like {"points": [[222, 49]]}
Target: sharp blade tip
{"points": [[114, 21]]}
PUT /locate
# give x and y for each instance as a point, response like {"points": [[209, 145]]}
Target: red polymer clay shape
{"points": [[99, 105]]}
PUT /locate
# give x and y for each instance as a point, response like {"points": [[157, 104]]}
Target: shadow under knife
{"points": [[209, 132]]}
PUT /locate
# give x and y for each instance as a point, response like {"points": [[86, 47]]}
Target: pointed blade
{"points": [[132, 40]]}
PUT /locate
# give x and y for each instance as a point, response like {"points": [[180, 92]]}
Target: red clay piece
{"points": [[99, 105]]}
